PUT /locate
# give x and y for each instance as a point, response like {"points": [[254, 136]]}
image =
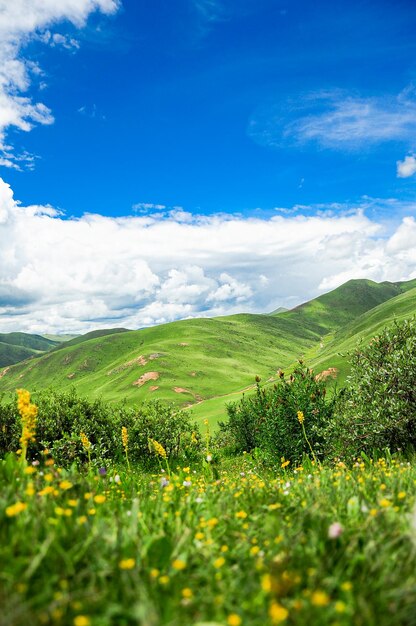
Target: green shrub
{"points": [[62, 417], [378, 408], [268, 420]]}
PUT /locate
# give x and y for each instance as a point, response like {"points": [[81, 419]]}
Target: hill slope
{"points": [[15, 347], [333, 310], [183, 362]]}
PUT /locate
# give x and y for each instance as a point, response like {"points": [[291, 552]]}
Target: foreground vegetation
{"points": [[308, 545], [300, 510]]}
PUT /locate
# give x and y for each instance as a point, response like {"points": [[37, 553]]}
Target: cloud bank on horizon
{"points": [[73, 275]]}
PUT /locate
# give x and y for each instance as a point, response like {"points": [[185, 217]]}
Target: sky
{"points": [[190, 158]]}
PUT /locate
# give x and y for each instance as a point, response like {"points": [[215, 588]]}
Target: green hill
{"points": [[15, 347], [343, 305], [184, 361], [209, 362]]}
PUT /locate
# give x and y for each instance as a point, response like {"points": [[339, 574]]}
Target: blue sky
{"points": [[188, 102], [170, 111]]}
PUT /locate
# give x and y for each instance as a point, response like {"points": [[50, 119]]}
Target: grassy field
{"points": [[236, 546]]}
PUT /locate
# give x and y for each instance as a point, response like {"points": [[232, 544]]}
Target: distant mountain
{"points": [[281, 309], [15, 347]]}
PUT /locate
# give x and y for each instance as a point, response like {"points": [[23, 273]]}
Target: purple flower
{"points": [[164, 482], [102, 471]]}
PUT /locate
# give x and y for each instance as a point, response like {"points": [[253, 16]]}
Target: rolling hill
{"points": [[209, 362], [15, 347]]}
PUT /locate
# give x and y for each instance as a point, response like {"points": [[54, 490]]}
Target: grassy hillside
{"points": [[330, 354], [209, 362], [15, 347], [184, 361], [336, 348], [333, 310], [94, 334]]}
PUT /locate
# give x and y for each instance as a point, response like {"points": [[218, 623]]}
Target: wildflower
{"points": [[163, 580], [241, 515], [15, 509], [277, 613], [30, 470], [401, 495], [301, 417], [157, 448], [127, 564], [320, 598], [340, 607], [194, 438], [266, 583], [335, 530], [86, 443], [187, 593], [219, 562], [125, 438], [82, 620], [234, 620], [65, 484], [100, 498], [102, 471], [385, 503], [187, 483], [164, 482], [28, 413], [178, 564], [208, 458], [284, 463]]}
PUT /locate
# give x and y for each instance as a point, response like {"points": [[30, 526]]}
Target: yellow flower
{"points": [[385, 503], [127, 564], [125, 437], [284, 463], [401, 495], [277, 613], [178, 564], [347, 586], [15, 509], [65, 484], [163, 580], [187, 593], [28, 413], [82, 519], [340, 607], [320, 598], [241, 515], [82, 620], [234, 620], [266, 583], [157, 448], [219, 562], [100, 498], [301, 417], [30, 470], [86, 443]]}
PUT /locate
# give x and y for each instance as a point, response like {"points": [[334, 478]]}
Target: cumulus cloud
{"points": [[20, 22], [73, 275], [407, 167], [336, 120]]}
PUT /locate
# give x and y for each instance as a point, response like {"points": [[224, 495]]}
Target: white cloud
{"points": [[21, 21], [67, 275], [407, 167], [337, 120]]}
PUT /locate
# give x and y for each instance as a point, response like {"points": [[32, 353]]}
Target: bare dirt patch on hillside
{"points": [[331, 372], [4, 372], [153, 387], [181, 390], [148, 376], [139, 360]]}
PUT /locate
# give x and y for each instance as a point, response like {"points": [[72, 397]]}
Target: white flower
{"points": [[335, 530], [209, 458]]}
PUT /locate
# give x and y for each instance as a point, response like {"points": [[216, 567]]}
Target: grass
{"points": [[235, 545]]}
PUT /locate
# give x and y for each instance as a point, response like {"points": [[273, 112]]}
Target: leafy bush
{"points": [[62, 417], [269, 420], [378, 408]]}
